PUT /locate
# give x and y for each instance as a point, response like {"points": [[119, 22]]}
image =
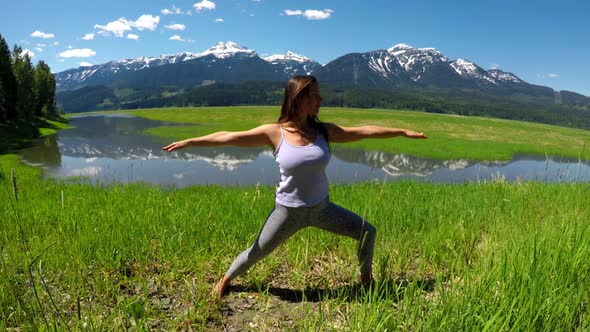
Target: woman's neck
{"points": [[300, 123]]}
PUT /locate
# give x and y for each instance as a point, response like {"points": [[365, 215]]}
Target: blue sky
{"points": [[542, 42]]}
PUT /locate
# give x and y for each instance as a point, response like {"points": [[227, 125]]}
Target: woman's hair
{"points": [[298, 88]]}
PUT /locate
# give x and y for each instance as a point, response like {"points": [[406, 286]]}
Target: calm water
{"points": [[108, 148]]}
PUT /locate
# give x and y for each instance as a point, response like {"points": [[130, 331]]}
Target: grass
{"points": [[15, 135], [471, 257], [450, 136], [484, 256]]}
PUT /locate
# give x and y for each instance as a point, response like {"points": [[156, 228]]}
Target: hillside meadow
{"points": [[450, 136], [485, 256]]}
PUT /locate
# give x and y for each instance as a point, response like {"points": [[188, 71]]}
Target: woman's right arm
{"points": [[259, 136], [340, 134]]}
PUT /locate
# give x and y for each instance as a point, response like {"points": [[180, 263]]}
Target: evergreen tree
{"points": [[7, 84], [24, 72], [45, 90]]}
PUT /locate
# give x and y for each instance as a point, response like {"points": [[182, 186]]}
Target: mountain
{"points": [[107, 73], [400, 77], [292, 64], [399, 67], [223, 62], [403, 66]]}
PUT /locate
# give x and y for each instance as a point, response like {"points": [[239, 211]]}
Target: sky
{"points": [[542, 42]]}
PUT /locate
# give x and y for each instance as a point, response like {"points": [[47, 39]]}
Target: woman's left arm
{"points": [[340, 134]]}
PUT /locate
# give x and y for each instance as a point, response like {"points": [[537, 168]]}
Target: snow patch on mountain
{"points": [[399, 48], [226, 50], [293, 63], [504, 76], [470, 70], [381, 65], [416, 60], [290, 56]]}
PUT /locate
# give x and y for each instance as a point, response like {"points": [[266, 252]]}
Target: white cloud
{"points": [[310, 14], [88, 36], [123, 25], [147, 22], [549, 75], [39, 49], [132, 36], [29, 53], [61, 60], [293, 12], [77, 53], [317, 14], [85, 64], [179, 27], [495, 66], [118, 27], [176, 37], [205, 4], [55, 43], [175, 11], [219, 20], [43, 35]]}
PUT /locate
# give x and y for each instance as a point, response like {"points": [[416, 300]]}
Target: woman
{"points": [[300, 144]]}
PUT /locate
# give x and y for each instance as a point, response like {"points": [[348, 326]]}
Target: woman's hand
{"points": [[176, 145], [413, 134]]}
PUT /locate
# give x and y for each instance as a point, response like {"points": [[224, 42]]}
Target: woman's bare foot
{"points": [[220, 289]]}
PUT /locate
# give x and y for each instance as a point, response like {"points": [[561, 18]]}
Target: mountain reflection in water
{"points": [[113, 148]]}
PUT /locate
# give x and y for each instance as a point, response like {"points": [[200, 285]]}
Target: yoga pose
{"points": [[300, 144]]}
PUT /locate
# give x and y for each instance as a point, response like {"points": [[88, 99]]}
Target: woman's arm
{"points": [[258, 136], [350, 134]]}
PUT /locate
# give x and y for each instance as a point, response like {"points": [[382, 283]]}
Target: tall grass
{"points": [[478, 256]]}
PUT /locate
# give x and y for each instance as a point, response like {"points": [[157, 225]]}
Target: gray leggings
{"points": [[284, 221]]}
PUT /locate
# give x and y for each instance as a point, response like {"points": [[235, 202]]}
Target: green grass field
{"points": [[490, 256], [450, 137], [474, 257]]}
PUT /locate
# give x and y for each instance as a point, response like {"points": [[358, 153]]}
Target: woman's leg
{"points": [[341, 221], [279, 226]]}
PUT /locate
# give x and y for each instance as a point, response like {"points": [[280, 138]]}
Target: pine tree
{"points": [[24, 72], [45, 90], [8, 85]]}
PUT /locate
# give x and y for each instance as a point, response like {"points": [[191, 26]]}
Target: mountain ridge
{"points": [[394, 67]]}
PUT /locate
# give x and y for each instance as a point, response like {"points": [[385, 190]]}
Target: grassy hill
{"points": [[450, 136]]}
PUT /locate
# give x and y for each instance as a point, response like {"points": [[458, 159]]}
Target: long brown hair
{"points": [[298, 88]]}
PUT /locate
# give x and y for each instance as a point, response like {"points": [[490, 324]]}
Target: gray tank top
{"points": [[303, 172]]}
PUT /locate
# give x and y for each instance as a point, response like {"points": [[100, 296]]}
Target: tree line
{"points": [[27, 92]]}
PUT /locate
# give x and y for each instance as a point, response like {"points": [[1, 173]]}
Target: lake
{"points": [[108, 148]]}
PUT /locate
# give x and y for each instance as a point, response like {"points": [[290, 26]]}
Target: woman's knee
{"points": [[369, 229]]}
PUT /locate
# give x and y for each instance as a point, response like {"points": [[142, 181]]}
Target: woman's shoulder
{"points": [[269, 127]]}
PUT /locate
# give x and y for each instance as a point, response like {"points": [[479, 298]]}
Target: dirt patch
{"points": [[274, 308]]}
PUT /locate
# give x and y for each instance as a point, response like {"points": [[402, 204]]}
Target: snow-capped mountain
{"points": [[406, 66], [108, 72], [416, 61], [224, 51], [505, 77], [292, 64], [396, 67], [230, 54]]}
